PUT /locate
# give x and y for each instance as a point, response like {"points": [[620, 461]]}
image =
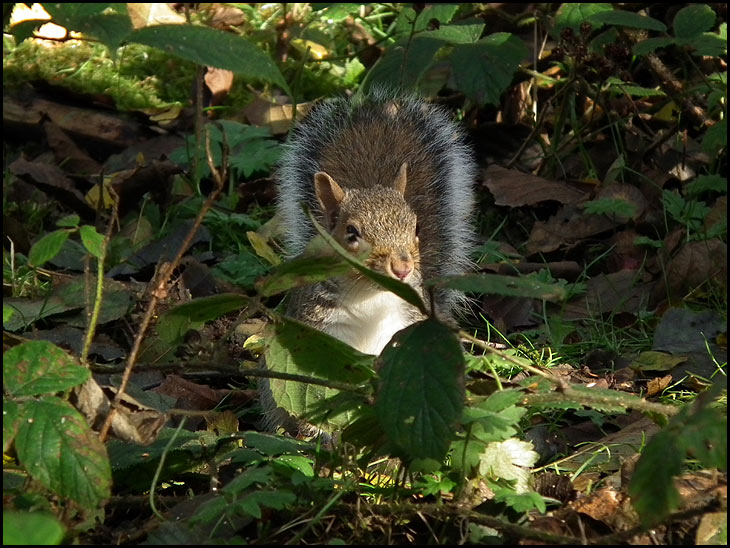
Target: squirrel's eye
{"points": [[352, 233], [418, 229]]}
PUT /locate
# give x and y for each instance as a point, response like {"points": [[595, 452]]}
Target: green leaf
{"points": [[59, 450], [618, 87], [519, 502], [651, 44], [47, 247], [495, 284], [174, 323], [692, 21], [443, 13], [302, 350], [11, 421], [574, 14], [272, 446], [709, 44], [250, 504], [404, 63], [251, 476], [31, 529], [465, 32], [92, 240], [40, 367], [304, 347], [421, 391], [706, 183], [8, 312], [69, 221], [627, 19], [715, 138], [94, 19], [211, 47], [483, 70], [303, 270], [699, 430]]}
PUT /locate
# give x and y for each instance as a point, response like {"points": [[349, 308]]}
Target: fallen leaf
{"points": [[515, 188]]}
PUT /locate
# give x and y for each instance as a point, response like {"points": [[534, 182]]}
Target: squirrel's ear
{"points": [[401, 179], [329, 194]]}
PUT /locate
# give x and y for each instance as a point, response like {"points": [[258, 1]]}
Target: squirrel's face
{"points": [[378, 219]]}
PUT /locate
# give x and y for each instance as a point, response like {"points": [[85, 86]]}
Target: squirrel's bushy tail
{"points": [[366, 138]]}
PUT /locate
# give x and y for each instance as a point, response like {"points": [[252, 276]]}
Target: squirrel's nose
{"points": [[401, 268]]}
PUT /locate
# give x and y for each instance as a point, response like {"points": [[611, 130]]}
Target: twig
{"points": [[162, 280]]}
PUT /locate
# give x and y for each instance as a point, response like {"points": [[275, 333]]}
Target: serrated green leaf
{"points": [[652, 490], [715, 138], [466, 32], [271, 445], [572, 15], [299, 349], [69, 221], [31, 529], [496, 284], [519, 502], [305, 346], [706, 183], [58, 449], [300, 463], [92, 240], [8, 313], [174, 323], [421, 390], [11, 421], [250, 476], [693, 20], [404, 63], [651, 44], [699, 430], [231, 52], [627, 19], [94, 19], [708, 44], [485, 69], [304, 270], [40, 367], [47, 247]]}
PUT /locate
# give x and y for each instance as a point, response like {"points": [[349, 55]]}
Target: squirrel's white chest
{"points": [[367, 320]]}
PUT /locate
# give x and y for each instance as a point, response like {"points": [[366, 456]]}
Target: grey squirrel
{"points": [[390, 172]]}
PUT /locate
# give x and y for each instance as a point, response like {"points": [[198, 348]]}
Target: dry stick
{"points": [[163, 277]]}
